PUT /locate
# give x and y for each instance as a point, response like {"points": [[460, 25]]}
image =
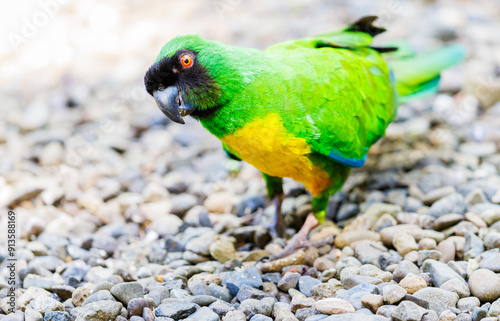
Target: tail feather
{"points": [[418, 76]]}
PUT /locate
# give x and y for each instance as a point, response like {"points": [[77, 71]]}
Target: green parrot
{"points": [[308, 109]]}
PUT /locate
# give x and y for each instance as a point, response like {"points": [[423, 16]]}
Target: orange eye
{"points": [[186, 61]]}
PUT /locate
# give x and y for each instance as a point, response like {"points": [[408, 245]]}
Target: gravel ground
{"points": [[123, 216]]}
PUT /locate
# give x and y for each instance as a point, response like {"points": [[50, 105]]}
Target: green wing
{"points": [[341, 97]]}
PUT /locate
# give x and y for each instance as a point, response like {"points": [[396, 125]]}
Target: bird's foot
{"points": [[300, 239], [247, 219]]}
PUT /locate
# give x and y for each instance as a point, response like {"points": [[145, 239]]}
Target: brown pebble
{"points": [[278, 265]]}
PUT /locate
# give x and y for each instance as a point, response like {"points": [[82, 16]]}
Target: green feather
{"points": [[418, 76]]}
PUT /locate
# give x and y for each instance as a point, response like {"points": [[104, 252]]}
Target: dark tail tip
{"points": [[365, 24]]}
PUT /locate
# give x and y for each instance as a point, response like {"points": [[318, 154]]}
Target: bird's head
{"points": [[194, 76]]}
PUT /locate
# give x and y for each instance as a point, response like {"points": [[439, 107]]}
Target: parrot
{"points": [[308, 109]]}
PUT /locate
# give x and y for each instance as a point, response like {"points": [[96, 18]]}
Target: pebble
{"points": [[491, 216], [403, 269], [438, 194], [204, 314], [57, 316], [494, 310], [158, 294], [440, 272], [252, 307], [412, 283], [235, 280], [323, 264], [429, 254], [446, 221], [453, 203], [306, 283], [347, 238], [294, 259], [98, 296], [407, 311], [473, 246], [44, 304], [324, 290], [334, 306], [393, 293], [175, 309], [447, 315], [460, 287], [492, 240], [368, 252], [427, 244], [100, 310], [404, 243], [485, 285], [300, 301], [468, 304], [438, 299], [125, 292], [234, 315], [247, 292], [136, 306], [289, 281], [490, 260], [32, 315], [17, 316], [223, 250], [372, 301]]}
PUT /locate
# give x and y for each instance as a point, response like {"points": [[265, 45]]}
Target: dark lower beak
{"points": [[171, 103]]}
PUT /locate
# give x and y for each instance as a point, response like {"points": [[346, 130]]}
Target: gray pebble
{"points": [[125, 292], [202, 300], [468, 304], [136, 306], [289, 281], [57, 316], [101, 310], [453, 203], [204, 314], [158, 294], [306, 283], [260, 317], [439, 272], [247, 292], [219, 292], [175, 309], [98, 296]]}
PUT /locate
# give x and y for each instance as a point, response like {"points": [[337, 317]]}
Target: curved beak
{"points": [[172, 104]]}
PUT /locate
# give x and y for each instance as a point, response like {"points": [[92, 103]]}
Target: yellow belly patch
{"points": [[266, 144]]}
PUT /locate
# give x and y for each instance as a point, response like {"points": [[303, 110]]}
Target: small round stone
{"points": [[334, 306], [393, 293], [372, 301], [485, 285], [404, 243], [412, 283], [447, 315], [468, 304]]}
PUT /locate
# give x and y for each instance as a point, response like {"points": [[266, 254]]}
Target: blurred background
{"points": [[81, 143]]}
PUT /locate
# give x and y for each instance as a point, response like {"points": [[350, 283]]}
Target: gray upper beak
{"points": [[171, 103]]}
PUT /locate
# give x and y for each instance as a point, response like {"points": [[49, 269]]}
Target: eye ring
{"points": [[161, 87], [186, 61]]}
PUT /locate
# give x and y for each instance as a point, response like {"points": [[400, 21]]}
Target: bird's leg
{"points": [[319, 204], [275, 192], [298, 239], [278, 228]]}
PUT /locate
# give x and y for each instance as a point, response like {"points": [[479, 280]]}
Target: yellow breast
{"points": [[266, 144]]}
